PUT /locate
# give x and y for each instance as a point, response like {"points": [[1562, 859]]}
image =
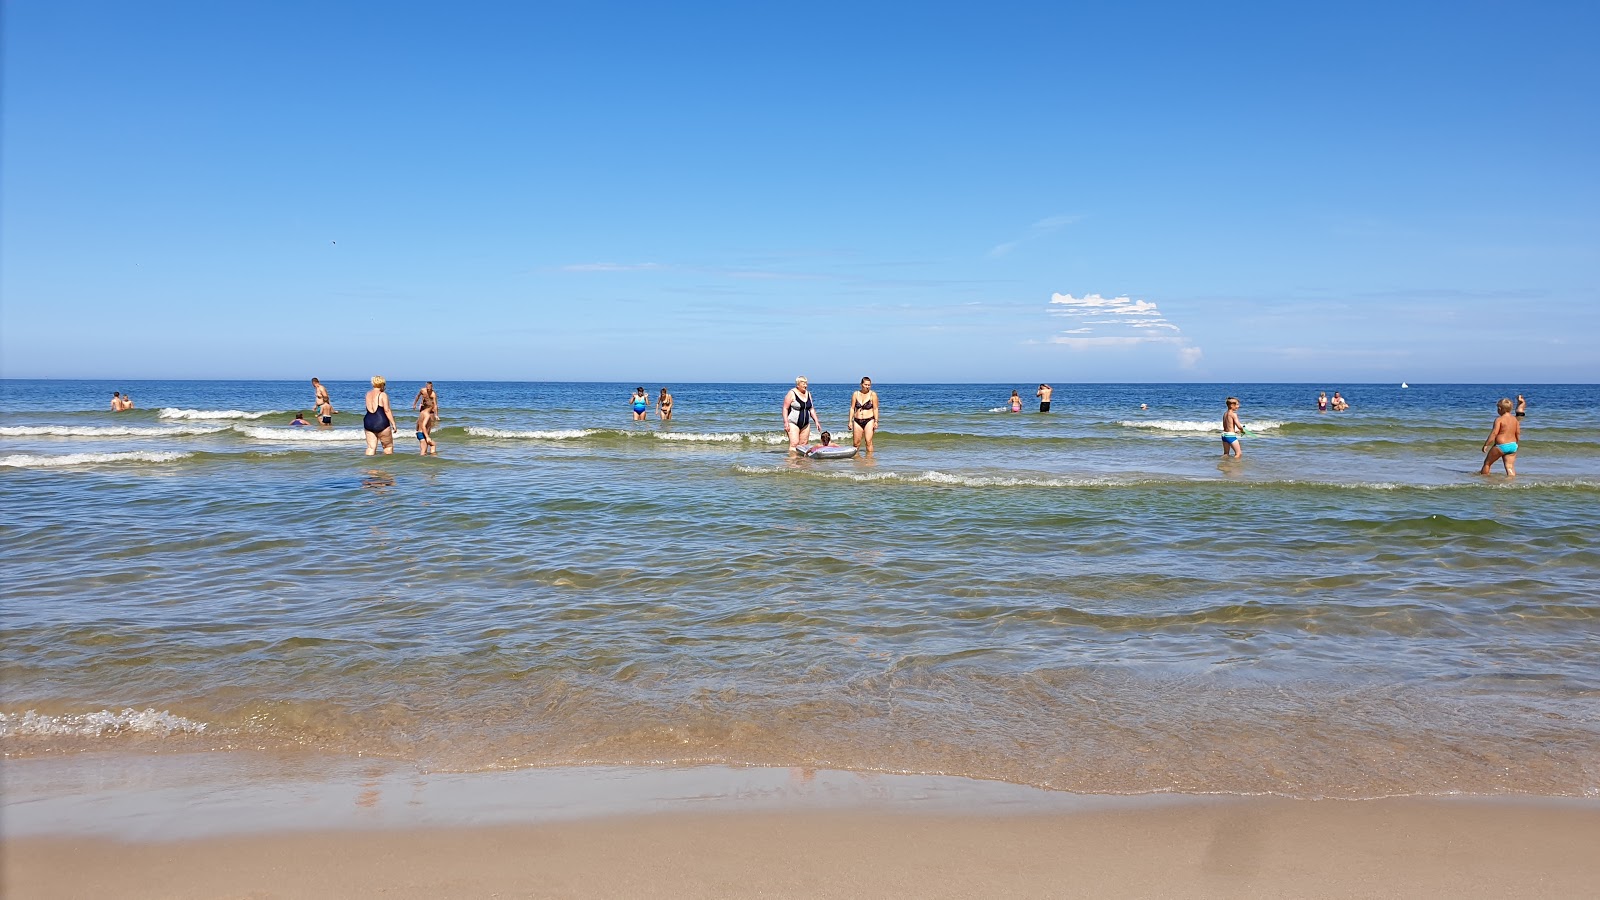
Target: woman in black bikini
{"points": [[864, 414], [798, 413], [378, 423]]}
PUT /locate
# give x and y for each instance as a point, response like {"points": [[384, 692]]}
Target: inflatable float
{"points": [[831, 451]]}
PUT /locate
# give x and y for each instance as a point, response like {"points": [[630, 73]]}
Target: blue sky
{"points": [[697, 192]]}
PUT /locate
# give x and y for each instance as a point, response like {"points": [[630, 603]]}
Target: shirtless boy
{"points": [[1502, 441], [323, 405], [427, 418], [1231, 430], [1043, 393]]}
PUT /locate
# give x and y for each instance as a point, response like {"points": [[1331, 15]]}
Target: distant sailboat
{"points": [[1404, 385]]}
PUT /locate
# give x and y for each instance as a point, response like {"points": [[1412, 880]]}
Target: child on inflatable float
{"points": [[828, 449]]}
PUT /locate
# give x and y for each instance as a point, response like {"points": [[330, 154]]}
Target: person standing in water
{"points": [[1502, 441], [322, 404], [426, 397], [1322, 401], [798, 413], [1043, 393], [116, 401], [1016, 402], [864, 414], [640, 402], [427, 418], [1231, 430], [379, 422], [664, 406], [1522, 406]]}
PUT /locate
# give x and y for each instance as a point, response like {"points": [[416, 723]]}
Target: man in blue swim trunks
{"points": [[1502, 442]]}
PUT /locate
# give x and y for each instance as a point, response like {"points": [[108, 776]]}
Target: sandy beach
{"points": [[1235, 848], [200, 826]]}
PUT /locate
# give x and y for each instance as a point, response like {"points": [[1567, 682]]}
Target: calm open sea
{"points": [[1088, 600]]}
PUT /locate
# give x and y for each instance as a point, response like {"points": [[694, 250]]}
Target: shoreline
{"points": [[196, 825]]}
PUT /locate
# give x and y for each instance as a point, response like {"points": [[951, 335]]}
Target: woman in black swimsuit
{"points": [[378, 423], [798, 413], [864, 414]]}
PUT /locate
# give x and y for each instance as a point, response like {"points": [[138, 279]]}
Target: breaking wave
{"points": [[97, 724], [46, 461]]}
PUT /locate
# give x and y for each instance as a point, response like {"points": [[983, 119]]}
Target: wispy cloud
{"points": [[613, 267], [1126, 323], [1037, 230]]}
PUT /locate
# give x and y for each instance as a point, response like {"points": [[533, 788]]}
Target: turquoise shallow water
{"points": [[1088, 600]]}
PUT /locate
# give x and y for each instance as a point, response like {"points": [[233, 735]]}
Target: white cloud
{"points": [[1132, 323], [1039, 229]]}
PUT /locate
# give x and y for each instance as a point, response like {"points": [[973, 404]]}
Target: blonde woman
{"points": [[379, 420], [798, 413], [664, 406]]}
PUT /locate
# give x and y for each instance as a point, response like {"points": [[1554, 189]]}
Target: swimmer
{"points": [[640, 402], [1016, 402], [325, 413], [1522, 406], [1144, 406], [427, 418], [116, 401], [664, 406], [798, 413], [127, 400], [379, 420], [1322, 401], [300, 421], [863, 415], [1043, 393], [1502, 441], [1339, 404], [321, 396], [1231, 430]]}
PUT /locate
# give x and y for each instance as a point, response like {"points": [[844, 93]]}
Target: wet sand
{"points": [[716, 832]]}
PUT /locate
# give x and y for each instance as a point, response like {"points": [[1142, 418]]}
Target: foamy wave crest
{"points": [[97, 724], [38, 461], [563, 434], [722, 437], [1190, 427], [936, 477], [108, 430], [301, 435], [169, 412]]}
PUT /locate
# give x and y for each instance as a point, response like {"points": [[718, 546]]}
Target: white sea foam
{"points": [[943, 478], [174, 413], [301, 435], [41, 461], [562, 434], [1194, 427], [722, 437], [97, 724], [108, 430]]}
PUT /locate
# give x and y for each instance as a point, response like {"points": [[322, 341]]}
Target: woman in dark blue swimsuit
{"points": [[379, 420]]}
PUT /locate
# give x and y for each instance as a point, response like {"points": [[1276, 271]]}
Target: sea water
{"points": [[1089, 600]]}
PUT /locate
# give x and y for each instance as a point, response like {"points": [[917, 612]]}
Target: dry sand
{"points": [[1209, 848]]}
